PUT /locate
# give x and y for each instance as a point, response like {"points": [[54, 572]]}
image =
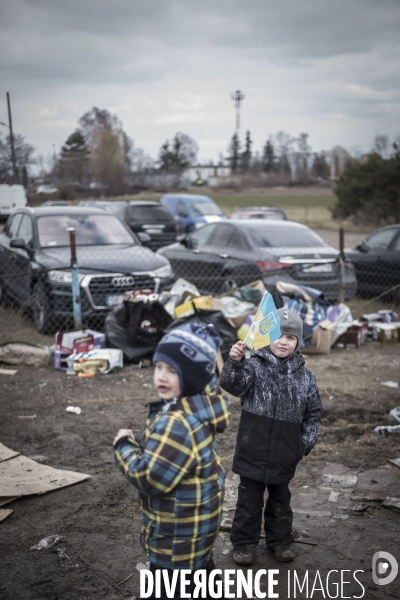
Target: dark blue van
{"points": [[191, 211]]}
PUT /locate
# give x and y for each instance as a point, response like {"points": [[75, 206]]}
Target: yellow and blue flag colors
{"points": [[266, 327]]}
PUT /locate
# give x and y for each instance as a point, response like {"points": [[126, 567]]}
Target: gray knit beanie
{"points": [[291, 324]]}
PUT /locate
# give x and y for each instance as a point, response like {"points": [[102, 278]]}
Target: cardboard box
{"points": [[203, 303], [65, 340], [60, 360], [387, 333], [320, 343], [354, 336]]}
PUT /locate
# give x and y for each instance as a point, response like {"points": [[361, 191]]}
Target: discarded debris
{"points": [[48, 542], [394, 461], [392, 503], [8, 371], [74, 409], [22, 354], [27, 416], [358, 508], [141, 566], [386, 429], [345, 481], [391, 384], [4, 513], [366, 498], [394, 415]]}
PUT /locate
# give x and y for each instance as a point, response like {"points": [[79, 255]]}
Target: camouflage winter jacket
{"points": [[281, 412]]}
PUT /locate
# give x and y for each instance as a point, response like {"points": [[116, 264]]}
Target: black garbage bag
{"points": [[123, 328], [216, 318]]}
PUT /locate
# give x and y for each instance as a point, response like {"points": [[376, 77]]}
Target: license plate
{"points": [[317, 268], [154, 231], [114, 300]]}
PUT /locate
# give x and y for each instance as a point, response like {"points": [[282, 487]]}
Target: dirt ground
{"points": [[100, 516]]}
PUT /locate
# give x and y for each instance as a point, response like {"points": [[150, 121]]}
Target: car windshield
{"points": [[271, 216], [150, 214], [90, 230], [198, 209], [288, 238]]}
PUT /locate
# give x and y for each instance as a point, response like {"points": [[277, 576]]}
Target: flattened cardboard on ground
{"points": [[7, 453], [4, 513], [21, 476]]}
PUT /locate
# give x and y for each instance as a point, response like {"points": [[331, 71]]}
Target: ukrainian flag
{"points": [[266, 327]]}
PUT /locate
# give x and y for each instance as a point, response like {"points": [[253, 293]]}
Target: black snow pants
{"points": [[278, 515]]}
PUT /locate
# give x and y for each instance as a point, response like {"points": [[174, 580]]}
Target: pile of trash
{"points": [[134, 328]]}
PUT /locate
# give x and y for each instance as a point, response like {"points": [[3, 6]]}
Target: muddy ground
{"points": [[100, 516]]}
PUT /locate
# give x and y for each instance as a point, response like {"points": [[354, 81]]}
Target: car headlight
{"points": [[62, 276], [165, 271]]}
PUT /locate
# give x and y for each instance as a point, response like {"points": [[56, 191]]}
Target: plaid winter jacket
{"points": [[180, 479], [281, 411]]}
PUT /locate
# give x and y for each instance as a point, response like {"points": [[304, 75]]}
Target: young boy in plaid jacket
{"points": [[175, 466]]}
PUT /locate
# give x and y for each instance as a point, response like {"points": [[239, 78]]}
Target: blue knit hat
{"points": [[192, 351]]}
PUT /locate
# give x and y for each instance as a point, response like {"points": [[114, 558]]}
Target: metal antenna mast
{"points": [[238, 97]]}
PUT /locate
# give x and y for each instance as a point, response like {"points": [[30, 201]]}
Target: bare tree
{"points": [[23, 157]]}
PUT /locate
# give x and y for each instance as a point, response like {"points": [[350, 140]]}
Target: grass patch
{"points": [[237, 201]]}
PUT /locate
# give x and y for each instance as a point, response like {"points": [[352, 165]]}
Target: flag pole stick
{"points": [[255, 319]]}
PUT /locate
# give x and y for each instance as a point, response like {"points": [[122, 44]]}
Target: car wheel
{"points": [[42, 314]]}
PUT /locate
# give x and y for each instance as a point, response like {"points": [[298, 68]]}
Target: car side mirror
{"points": [[362, 247], [182, 239], [144, 237], [18, 242]]}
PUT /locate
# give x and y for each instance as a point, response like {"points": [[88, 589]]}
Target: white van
{"points": [[11, 198]]}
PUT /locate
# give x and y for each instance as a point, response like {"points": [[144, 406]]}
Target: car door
{"points": [[388, 263], [181, 217], [8, 256], [190, 259], [371, 276], [22, 260], [238, 259]]}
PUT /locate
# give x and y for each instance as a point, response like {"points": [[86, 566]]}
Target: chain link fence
{"points": [[37, 266]]}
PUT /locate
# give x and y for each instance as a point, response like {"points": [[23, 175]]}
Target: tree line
{"points": [[367, 186]]}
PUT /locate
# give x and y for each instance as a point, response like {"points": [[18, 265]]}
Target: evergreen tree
{"points": [[369, 190], [269, 158], [245, 159], [73, 160], [233, 157]]}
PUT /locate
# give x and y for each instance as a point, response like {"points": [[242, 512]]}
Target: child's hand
{"points": [[122, 433], [237, 351]]}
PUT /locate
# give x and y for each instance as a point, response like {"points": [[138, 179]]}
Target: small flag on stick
{"points": [[266, 327]]}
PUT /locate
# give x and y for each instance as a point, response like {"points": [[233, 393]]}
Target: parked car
{"points": [[260, 212], [146, 216], [55, 203], [35, 260], [221, 256], [12, 197], [377, 262], [97, 185], [46, 190], [192, 211]]}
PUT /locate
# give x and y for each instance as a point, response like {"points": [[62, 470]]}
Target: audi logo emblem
{"points": [[122, 281]]}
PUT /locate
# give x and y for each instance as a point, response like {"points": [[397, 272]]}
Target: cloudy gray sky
{"points": [[327, 68]]}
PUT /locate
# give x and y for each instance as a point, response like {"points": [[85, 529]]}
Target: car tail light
{"points": [[348, 264], [265, 265], [176, 228]]}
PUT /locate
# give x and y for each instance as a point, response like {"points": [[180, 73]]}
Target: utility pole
{"points": [[15, 179], [238, 97]]}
